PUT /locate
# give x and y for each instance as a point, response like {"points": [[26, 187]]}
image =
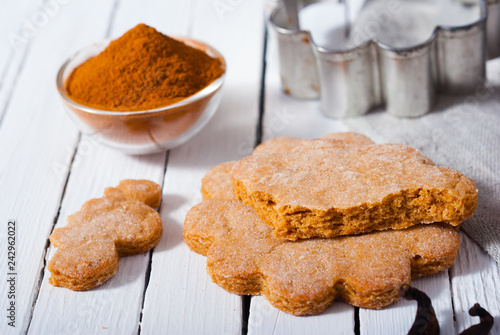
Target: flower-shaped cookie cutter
{"points": [[355, 78]]}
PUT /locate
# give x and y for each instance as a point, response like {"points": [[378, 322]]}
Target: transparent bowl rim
{"points": [[211, 88]]}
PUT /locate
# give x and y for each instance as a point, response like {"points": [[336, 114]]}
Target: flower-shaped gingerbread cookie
{"points": [[304, 277], [122, 222], [330, 187]]}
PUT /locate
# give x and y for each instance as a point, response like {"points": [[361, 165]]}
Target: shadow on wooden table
{"points": [[172, 229]]}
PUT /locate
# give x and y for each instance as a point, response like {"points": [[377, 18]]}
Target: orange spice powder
{"points": [[142, 70]]}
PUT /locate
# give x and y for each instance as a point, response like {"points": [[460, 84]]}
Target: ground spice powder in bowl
{"points": [[145, 92]]}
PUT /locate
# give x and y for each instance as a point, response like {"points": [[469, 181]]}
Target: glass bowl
{"points": [[148, 131]]}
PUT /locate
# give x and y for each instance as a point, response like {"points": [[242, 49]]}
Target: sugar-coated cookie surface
{"points": [[349, 137], [216, 184], [122, 222], [278, 144], [330, 187], [304, 277], [287, 144]]}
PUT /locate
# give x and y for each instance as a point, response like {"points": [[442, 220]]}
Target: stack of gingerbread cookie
{"points": [[307, 222]]}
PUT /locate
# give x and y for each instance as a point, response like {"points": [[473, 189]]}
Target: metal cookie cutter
{"points": [[358, 74]]}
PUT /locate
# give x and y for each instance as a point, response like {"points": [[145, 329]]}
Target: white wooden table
{"points": [[47, 171]]}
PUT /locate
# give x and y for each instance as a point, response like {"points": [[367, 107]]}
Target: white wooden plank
{"points": [[115, 306], [399, 317], [181, 299], [265, 319], [16, 19], [475, 279], [13, 44], [36, 144]]}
